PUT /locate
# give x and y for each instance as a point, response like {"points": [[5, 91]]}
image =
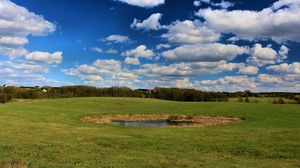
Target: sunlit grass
{"points": [[48, 133]]}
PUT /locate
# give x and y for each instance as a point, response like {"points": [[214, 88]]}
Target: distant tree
{"points": [[281, 101], [247, 100], [240, 99]]}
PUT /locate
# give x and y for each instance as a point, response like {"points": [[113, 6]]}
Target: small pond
{"points": [[151, 123]]}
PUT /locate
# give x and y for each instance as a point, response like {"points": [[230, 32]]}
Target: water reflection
{"points": [[155, 123]]}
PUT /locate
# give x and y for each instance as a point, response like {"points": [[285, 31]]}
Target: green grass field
{"points": [[48, 133]]}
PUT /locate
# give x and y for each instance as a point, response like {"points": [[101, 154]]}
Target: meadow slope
{"points": [[49, 133]]}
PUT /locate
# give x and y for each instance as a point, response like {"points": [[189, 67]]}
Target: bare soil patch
{"points": [[199, 121]]}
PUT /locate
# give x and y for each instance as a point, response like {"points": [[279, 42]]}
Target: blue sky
{"points": [[218, 45]]}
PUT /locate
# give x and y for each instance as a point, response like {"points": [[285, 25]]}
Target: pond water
{"points": [[155, 123]]}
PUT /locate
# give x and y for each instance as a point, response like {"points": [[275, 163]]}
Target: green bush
{"points": [[247, 100], [4, 98]]}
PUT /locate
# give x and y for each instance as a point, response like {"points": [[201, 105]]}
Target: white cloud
{"points": [[248, 70], [144, 3], [260, 83], [151, 23], [223, 4], [92, 77], [126, 75], [140, 52], [132, 61], [44, 57], [110, 64], [111, 51], [261, 56], [229, 83], [26, 73], [269, 79], [233, 80], [293, 68], [100, 50], [117, 38], [197, 3], [16, 23], [97, 49], [204, 52], [100, 67], [187, 69], [162, 46], [13, 41], [280, 22], [104, 73], [282, 54], [282, 3], [25, 66], [190, 32], [184, 83], [12, 52]]}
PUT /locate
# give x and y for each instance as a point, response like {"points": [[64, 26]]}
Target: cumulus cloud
{"points": [[143, 3], [197, 3], [260, 83], [103, 73], [92, 77], [151, 23], [282, 54], [204, 52], [110, 64], [22, 78], [139, 52], [16, 23], [115, 38], [162, 46], [190, 32], [269, 79], [261, 56], [44, 57], [111, 51], [13, 41], [280, 22], [248, 70], [223, 4], [132, 61], [99, 67], [187, 69], [293, 68], [229, 83], [12, 52], [100, 50], [184, 83]]}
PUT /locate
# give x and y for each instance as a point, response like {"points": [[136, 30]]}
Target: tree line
{"points": [[12, 92]]}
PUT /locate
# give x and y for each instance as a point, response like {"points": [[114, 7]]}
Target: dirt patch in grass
{"points": [[12, 164], [198, 121]]}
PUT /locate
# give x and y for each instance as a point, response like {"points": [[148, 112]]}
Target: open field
{"points": [[49, 133]]}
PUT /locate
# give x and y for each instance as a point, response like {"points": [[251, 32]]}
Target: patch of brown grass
{"points": [[199, 121], [12, 164]]}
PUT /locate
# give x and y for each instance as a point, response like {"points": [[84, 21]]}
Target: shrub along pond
{"points": [[153, 120]]}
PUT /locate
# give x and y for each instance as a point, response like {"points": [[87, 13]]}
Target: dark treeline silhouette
{"points": [[11, 92]]}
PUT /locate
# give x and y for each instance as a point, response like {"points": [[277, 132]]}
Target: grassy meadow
{"points": [[49, 133]]}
